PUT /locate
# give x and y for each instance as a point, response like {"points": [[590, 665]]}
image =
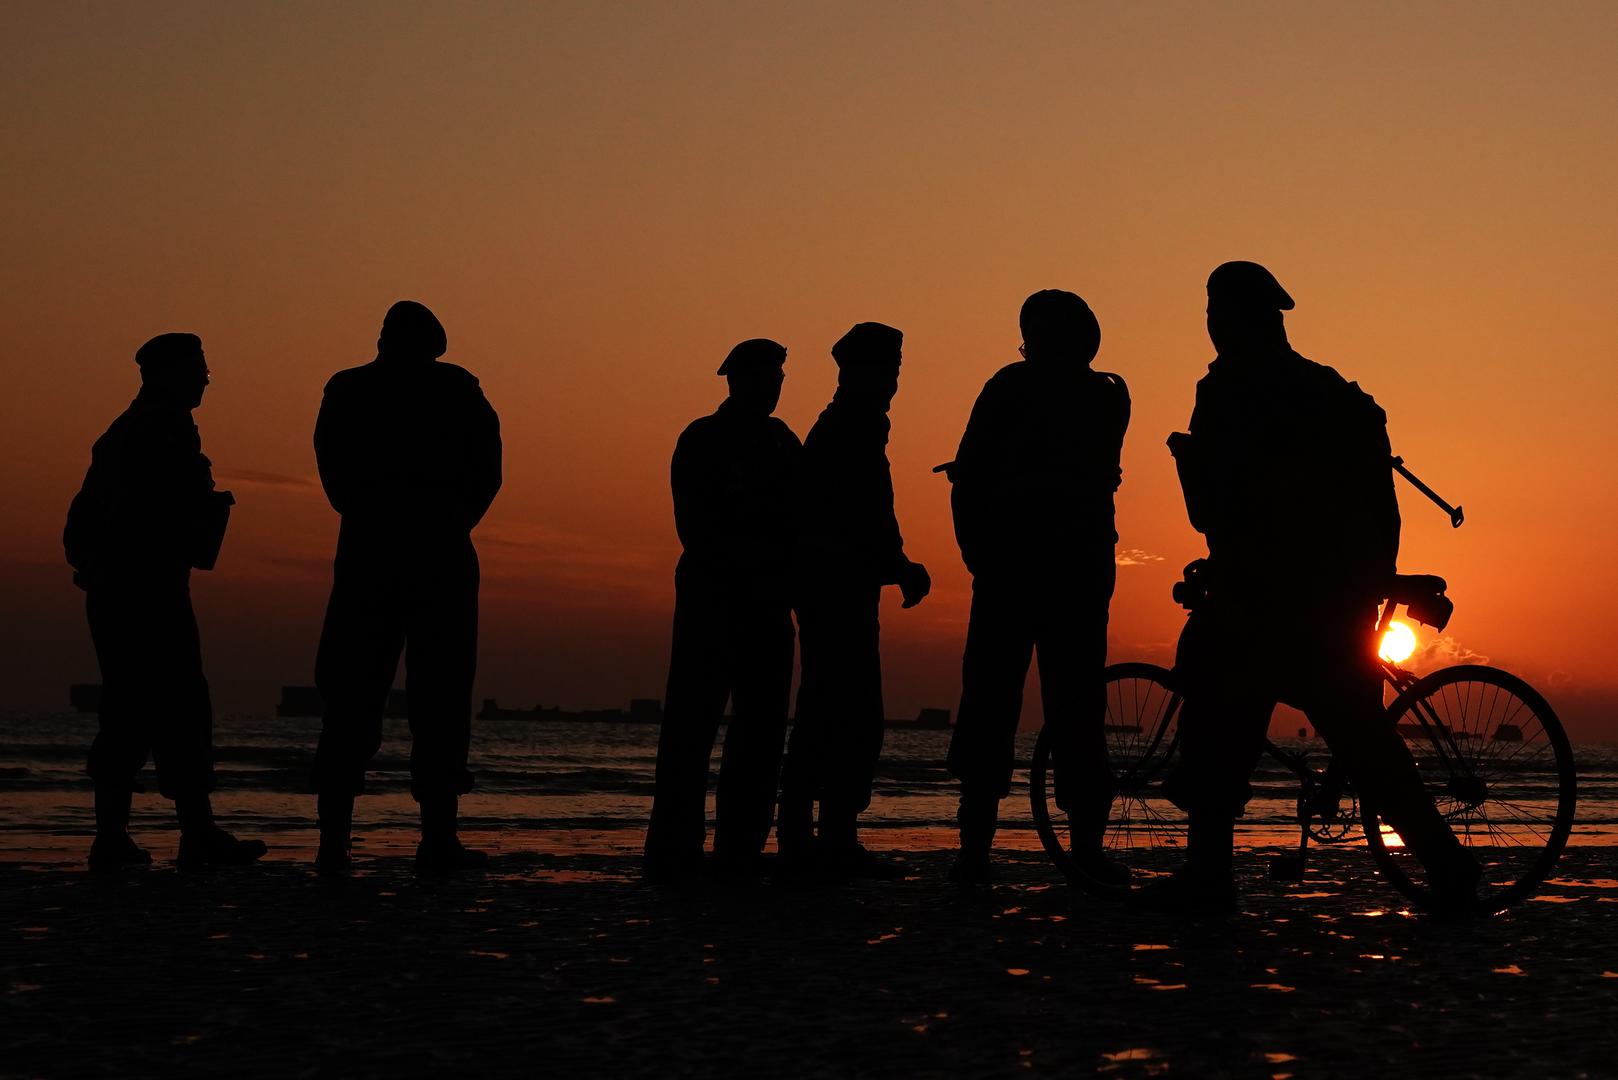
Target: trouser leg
{"points": [[751, 763], [693, 705], [982, 746], [360, 645], [112, 806], [801, 777], [1221, 739], [441, 634], [1376, 760], [855, 714], [182, 740], [120, 746], [154, 692], [994, 669], [1072, 651]]}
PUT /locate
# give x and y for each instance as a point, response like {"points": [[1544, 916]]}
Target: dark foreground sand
{"points": [[569, 965]]}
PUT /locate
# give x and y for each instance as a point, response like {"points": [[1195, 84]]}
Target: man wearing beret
{"points": [[1286, 472], [1032, 496], [409, 454], [849, 548], [734, 478], [147, 515]]}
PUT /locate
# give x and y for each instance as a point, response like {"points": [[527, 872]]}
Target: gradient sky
{"points": [[598, 200]]}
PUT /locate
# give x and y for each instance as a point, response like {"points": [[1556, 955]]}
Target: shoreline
{"points": [[567, 963]]}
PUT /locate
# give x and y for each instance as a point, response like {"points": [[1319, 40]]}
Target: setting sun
{"points": [[1398, 643]]}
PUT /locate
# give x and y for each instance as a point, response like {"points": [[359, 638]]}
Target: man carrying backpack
{"points": [[1286, 472]]}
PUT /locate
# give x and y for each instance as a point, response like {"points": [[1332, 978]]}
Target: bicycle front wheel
{"points": [[1499, 768], [1144, 831]]}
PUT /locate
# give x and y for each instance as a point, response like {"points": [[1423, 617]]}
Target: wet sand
{"points": [[568, 964]]}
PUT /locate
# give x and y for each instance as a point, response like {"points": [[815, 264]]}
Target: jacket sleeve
{"points": [[1376, 495], [86, 524], [694, 484], [333, 454], [977, 462], [485, 474], [1208, 467], [890, 543], [1113, 476]]}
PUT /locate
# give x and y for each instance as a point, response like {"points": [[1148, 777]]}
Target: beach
{"points": [[563, 961], [571, 965]]}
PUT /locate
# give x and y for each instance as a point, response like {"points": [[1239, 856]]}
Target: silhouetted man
{"points": [[849, 549], [734, 477], [1286, 472], [409, 454], [1033, 503], [148, 514]]}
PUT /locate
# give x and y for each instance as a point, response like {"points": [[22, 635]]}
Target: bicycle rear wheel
{"points": [[1145, 831], [1500, 769]]}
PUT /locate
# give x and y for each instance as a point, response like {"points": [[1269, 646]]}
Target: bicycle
{"points": [[1491, 750]]}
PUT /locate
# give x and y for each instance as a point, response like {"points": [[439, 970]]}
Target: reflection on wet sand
{"points": [[572, 959]]}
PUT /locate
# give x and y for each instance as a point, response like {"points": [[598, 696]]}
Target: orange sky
{"points": [[599, 200]]}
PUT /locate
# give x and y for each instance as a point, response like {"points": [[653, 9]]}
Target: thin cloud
{"points": [[1135, 557], [257, 478], [1442, 651], [531, 552]]}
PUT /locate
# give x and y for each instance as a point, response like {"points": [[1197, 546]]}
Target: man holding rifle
{"points": [[1286, 472]]}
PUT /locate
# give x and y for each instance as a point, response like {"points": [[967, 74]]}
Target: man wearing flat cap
{"points": [[147, 515], [734, 478], [849, 548], [1032, 496], [409, 454], [1286, 471]]}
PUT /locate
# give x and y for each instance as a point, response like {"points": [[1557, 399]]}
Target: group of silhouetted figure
{"points": [[1284, 470]]}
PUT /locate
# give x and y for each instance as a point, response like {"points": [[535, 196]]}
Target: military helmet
{"points": [[1059, 321], [410, 329]]}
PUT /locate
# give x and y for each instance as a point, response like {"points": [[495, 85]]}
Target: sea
{"points": [[560, 786]]}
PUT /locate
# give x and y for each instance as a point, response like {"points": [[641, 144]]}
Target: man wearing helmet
{"points": [[409, 454], [1033, 505]]}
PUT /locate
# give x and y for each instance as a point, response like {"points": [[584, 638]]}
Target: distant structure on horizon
{"points": [[641, 711], [305, 701], [926, 719]]}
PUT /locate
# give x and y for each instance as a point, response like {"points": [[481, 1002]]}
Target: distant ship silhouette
{"points": [[303, 702]]}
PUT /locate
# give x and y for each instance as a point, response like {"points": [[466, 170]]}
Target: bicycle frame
{"points": [[1322, 789]]}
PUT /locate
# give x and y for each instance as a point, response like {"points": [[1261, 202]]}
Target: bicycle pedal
{"points": [[1286, 868]]}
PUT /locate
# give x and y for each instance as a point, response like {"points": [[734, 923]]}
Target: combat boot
{"points": [[336, 816], [1206, 884], [842, 857], [1087, 834], [113, 848], [441, 851], [204, 844], [977, 817]]}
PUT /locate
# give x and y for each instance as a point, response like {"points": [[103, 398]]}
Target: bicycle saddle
{"points": [[1406, 586], [1423, 598]]}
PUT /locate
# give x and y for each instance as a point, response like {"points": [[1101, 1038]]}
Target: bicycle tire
{"points": [[1140, 697], [1505, 740]]}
